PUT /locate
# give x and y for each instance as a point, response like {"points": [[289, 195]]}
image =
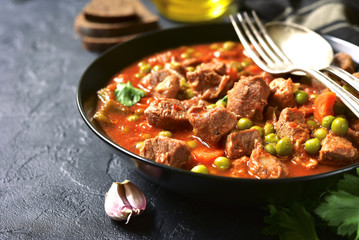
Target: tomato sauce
{"points": [[129, 128]]}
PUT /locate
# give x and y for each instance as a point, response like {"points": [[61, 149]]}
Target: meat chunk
{"points": [[356, 74], [353, 132], [167, 113], [194, 102], [337, 150], [191, 62], [239, 167], [151, 80], [212, 124], [241, 143], [282, 93], [248, 98], [353, 136], [264, 165], [291, 123], [168, 88], [344, 61], [354, 124], [168, 151], [208, 83], [217, 67]]}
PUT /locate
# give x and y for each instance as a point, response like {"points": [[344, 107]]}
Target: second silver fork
{"points": [[272, 60]]}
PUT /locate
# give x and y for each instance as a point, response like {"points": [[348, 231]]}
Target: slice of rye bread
{"points": [[109, 11], [101, 44], [145, 21]]}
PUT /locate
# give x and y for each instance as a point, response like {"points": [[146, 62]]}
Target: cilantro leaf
{"points": [[340, 208], [127, 94], [291, 223], [350, 184]]}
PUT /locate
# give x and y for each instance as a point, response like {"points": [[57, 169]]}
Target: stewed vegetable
{"points": [[209, 109]]}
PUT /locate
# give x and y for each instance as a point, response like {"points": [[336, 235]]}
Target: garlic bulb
{"points": [[124, 200]]}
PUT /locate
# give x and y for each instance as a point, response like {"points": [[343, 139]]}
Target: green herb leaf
{"points": [[224, 99], [127, 94], [341, 208], [292, 223]]}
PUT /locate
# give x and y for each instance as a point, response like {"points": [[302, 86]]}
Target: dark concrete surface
{"points": [[54, 172]]}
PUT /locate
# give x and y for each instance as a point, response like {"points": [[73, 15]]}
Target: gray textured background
{"points": [[54, 171]]}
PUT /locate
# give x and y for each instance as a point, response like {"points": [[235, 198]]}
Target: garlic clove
{"points": [[124, 200], [135, 197]]}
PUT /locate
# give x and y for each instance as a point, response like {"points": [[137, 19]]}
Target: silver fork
{"points": [[272, 60]]}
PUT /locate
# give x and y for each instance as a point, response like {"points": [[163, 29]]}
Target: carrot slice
{"points": [[323, 105], [253, 69], [232, 72], [206, 155]]}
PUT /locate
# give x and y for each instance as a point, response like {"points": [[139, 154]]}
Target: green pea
{"points": [[175, 64], [145, 68], [237, 66], [183, 83], [270, 148], [312, 146], [142, 63], [327, 121], [214, 46], [301, 97], [339, 108], [200, 169], [268, 128], [244, 123], [228, 45], [133, 118], [259, 129], [284, 147], [190, 69], [185, 55], [312, 124], [320, 133], [271, 138], [340, 126], [165, 134], [190, 50], [246, 62], [139, 75], [192, 144], [157, 67], [188, 93], [139, 145], [222, 163], [146, 136]]}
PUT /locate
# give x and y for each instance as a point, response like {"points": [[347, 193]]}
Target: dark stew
{"points": [[209, 109]]}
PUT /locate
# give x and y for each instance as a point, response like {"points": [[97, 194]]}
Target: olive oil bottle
{"points": [[193, 10]]}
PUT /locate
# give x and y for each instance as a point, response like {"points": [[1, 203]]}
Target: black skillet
{"points": [[203, 187]]}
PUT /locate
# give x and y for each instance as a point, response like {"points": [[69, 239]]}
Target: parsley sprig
{"points": [[338, 209], [127, 94]]}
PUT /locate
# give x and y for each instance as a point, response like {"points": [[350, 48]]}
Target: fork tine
{"points": [[247, 45], [253, 40], [269, 39], [263, 41]]}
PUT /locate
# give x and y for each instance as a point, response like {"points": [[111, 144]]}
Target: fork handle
{"points": [[348, 99], [344, 75]]}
